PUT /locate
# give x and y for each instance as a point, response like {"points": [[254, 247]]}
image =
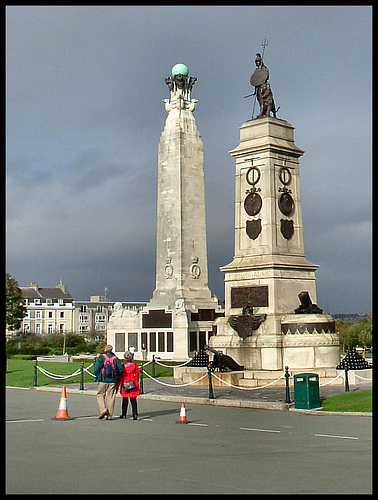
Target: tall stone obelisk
{"points": [[179, 318], [181, 253]]}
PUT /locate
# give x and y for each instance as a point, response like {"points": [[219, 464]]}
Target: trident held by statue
{"points": [[263, 92], [264, 44]]}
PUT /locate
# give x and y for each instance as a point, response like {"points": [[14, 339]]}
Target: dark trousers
{"points": [[125, 403]]}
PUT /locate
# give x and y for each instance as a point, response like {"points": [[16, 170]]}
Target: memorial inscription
{"points": [[253, 296]]}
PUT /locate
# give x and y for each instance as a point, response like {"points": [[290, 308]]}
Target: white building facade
{"points": [[49, 310], [53, 310]]}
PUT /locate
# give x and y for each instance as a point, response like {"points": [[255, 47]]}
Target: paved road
{"points": [[220, 450]]}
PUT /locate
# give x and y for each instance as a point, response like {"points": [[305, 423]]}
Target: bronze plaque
{"points": [[287, 228], [286, 204], [253, 228], [157, 318], [254, 296], [253, 204]]}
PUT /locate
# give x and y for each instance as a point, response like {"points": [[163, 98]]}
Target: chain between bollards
{"points": [[287, 376]]}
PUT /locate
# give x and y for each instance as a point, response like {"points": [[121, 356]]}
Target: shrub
{"points": [[48, 344]]}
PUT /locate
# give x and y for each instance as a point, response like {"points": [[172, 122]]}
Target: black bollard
{"points": [[35, 374], [153, 366], [211, 393], [346, 378], [81, 388], [287, 376], [141, 387]]}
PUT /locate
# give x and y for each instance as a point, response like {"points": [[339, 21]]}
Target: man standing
{"points": [[107, 371]]}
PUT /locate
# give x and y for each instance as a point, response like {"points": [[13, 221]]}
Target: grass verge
{"points": [[20, 372], [354, 401]]}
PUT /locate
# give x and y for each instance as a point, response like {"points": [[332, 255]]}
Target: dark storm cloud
{"points": [[85, 113]]}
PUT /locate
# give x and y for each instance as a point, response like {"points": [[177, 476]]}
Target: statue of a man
{"points": [[263, 92]]}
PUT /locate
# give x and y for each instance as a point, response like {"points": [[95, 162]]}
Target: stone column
{"points": [[181, 257], [269, 269]]}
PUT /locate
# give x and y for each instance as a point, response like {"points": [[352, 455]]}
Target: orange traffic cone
{"points": [[62, 411], [182, 414]]}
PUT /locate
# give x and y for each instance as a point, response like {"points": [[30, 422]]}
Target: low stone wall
{"points": [[55, 359]]}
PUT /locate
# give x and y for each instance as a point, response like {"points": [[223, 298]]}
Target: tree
{"points": [[15, 308], [364, 328], [353, 334], [343, 328]]}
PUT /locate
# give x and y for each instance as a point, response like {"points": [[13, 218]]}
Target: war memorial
{"points": [[271, 318], [179, 318]]}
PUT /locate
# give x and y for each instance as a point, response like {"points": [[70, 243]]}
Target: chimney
{"points": [[62, 287], [34, 286]]}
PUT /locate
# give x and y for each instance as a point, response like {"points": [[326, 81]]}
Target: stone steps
{"points": [[260, 378]]}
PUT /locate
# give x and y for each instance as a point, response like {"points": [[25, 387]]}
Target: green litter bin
{"points": [[306, 391]]}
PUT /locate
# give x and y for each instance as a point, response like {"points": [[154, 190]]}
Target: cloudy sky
{"points": [[84, 90]]}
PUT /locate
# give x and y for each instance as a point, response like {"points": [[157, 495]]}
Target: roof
{"points": [[44, 293]]}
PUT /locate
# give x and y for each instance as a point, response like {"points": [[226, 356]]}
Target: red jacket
{"points": [[130, 372]]}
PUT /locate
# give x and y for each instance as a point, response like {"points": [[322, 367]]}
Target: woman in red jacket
{"points": [[129, 385]]}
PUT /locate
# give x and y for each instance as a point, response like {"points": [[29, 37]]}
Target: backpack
{"points": [[109, 370]]}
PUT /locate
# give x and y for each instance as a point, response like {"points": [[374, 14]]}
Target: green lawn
{"points": [[353, 401], [20, 372]]}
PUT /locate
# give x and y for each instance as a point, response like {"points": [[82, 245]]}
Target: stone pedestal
{"points": [[269, 269]]}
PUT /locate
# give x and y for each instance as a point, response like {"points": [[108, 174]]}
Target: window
{"points": [[120, 342], [170, 341], [152, 341], [161, 341], [133, 340], [202, 340], [50, 314], [38, 329], [38, 314], [192, 341], [83, 309], [197, 340], [50, 328], [143, 339], [61, 328], [61, 314]]}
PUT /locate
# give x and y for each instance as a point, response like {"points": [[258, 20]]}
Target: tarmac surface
{"points": [[218, 450], [270, 398]]}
